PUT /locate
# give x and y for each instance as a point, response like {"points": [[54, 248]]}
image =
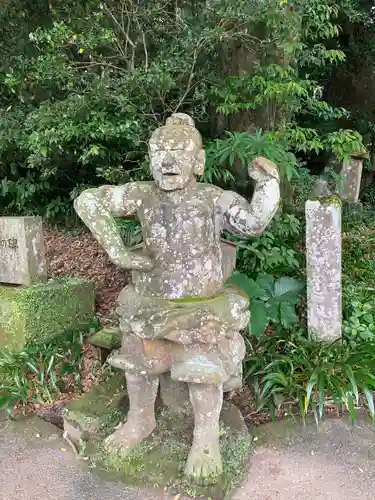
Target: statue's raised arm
{"points": [[97, 208], [250, 219]]}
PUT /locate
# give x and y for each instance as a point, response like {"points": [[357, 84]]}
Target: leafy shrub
{"points": [[309, 374], [82, 84], [358, 258], [360, 324], [275, 251], [270, 300], [131, 232], [244, 147]]}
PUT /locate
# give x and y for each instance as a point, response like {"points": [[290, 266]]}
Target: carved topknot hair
{"points": [[179, 128], [180, 119]]}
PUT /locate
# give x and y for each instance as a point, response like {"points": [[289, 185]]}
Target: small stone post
{"points": [[32, 308], [323, 252], [351, 173], [22, 255]]}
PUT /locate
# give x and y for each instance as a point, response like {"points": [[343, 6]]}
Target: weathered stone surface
{"points": [[352, 175], [177, 317], [323, 253], [174, 395], [44, 310], [160, 459], [97, 411], [22, 257]]}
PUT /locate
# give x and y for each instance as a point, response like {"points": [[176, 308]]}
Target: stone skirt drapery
{"points": [[197, 339]]}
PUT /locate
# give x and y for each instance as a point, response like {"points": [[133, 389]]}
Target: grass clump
{"points": [[309, 375], [40, 372]]}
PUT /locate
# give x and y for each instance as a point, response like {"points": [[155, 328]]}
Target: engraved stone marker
{"points": [[323, 252], [22, 257]]}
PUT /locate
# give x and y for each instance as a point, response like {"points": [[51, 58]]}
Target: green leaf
{"points": [[258, 318], [248, 285], [351, 408], [288, 286], [273, 309], [321, 393], [349, 372], [310, 386], [288, 316], [266, 283], [370, 401]]}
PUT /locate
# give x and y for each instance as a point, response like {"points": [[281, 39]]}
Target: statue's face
{"points": [[175, 163]]}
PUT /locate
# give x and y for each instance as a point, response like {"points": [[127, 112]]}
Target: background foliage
{"points": [[83, 83]]}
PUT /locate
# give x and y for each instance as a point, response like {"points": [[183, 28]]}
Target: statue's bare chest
{"points": [[177, 225]]}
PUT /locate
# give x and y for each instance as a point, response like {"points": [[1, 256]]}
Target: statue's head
{"points": [[176, 153]]}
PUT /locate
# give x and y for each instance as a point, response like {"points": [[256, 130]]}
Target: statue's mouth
{"points": [[170, 174]]}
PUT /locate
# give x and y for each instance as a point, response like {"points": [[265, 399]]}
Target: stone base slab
{"points": [[160, 460]]}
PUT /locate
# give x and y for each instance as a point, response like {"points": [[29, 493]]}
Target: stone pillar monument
{"points": [[323, 253], [351, 173]]}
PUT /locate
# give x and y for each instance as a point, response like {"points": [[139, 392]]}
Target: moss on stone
{"points": [[330, 200], [160, 460], [107, 338], [43, 311], [99, 410]]}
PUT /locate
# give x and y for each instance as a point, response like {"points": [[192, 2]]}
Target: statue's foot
{"points": [[204, 463], [129, 435]]}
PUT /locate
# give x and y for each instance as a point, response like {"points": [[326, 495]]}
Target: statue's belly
{"points": [[198, 276]]}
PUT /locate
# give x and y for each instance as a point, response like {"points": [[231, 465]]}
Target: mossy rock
{"points": [[160, 460], [95, 414], [107, 338], [42, 311]]}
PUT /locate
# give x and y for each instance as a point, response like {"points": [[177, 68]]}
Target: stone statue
{"points": [[177, 317]]}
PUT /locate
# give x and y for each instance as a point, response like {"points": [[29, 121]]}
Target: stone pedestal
{"points": [[323, 252], [161, 458], [44, 310]]}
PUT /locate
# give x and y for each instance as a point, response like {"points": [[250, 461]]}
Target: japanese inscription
{"points": [[9, 243]]}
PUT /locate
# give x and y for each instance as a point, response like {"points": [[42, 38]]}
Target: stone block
{"points": [[22, 256], [44, 310], [323, 260], [96, 412]]}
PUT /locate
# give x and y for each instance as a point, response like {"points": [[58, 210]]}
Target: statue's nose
{"points": [[168, 161]]}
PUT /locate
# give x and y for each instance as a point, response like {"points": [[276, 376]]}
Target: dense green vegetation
{"points": [[83, 83]]}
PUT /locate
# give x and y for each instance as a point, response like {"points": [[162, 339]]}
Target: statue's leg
{"points": [[204, 461], [140, 423]]}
